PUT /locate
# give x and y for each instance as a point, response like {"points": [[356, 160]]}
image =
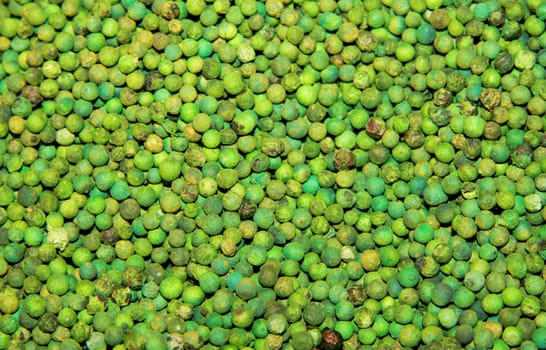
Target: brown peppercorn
{"points": [[122, 296], [490, 98], [153, 81], [357, 295], [247, 209], [504, 62], [414, 138], [343, 159], [443, 97], [170, 10], [189, 192], [331, 340], [492, 130], [109, 237], [375, 128], [440, 19]]}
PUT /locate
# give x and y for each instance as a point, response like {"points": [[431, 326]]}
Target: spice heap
{"points": [[272, 174]]}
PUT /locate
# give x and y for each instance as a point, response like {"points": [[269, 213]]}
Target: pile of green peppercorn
{"points": [[272, 174]]}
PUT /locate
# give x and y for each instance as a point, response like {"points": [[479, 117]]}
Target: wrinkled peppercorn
{"points": [[331, 340]]}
